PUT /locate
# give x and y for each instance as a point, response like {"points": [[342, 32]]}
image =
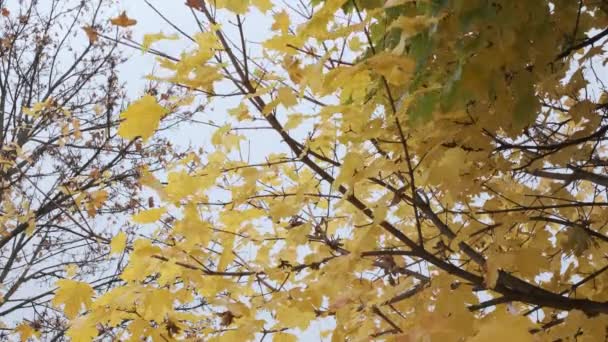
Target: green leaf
{"points": [[452, 90], [420, 48], [526, 103], [423, 106]]}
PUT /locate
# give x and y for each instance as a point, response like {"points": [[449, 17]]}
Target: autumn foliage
{"points": [[65, 175], [385, 170]]}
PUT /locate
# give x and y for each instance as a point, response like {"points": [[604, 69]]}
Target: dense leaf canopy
{"points": [[400, 170]]}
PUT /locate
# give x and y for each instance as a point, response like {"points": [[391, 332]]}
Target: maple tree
{"points": [[436, 172]]}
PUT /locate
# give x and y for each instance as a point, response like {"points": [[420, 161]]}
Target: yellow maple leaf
{"points": [[227, 255], [293, 121], [503, 326], [282, 209], [96, 201], [412, 25], [148, 216], [118, 243], [396, 69], [262, 5], [236, 6], [294, 316], [141, 118], [26, 331], [287, 97], [156, 303], [152, 38], [123, 20], [281, 22], [355, 43], [73, 295], [240, 113], [284, 337], [168, 273], [37, 108], [181, 185], [82, 329]]}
